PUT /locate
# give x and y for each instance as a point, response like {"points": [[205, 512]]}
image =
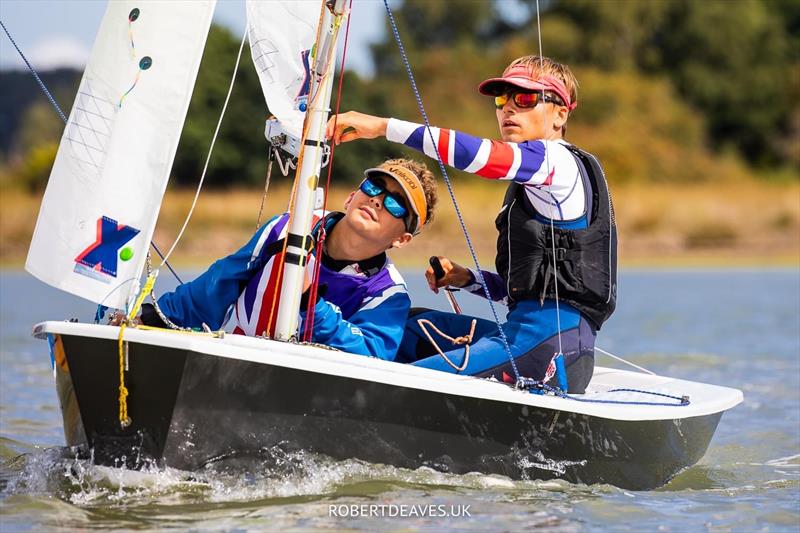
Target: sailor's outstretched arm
{"points": [[376, 329], [522, 162], [206, 298]]}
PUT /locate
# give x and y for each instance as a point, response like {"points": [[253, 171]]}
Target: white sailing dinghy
{"points": [[183, 399]]}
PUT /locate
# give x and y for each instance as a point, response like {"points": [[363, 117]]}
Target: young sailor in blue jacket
{"points": [[365, 303], [556, 249]]}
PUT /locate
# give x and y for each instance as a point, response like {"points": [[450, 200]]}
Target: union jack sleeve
{"points": [[522, 162]]}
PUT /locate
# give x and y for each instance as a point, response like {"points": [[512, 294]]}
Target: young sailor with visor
{"points": [[557, 211], [363, 302]]}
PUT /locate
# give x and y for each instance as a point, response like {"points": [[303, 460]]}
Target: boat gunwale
{"points": [[712, 398]]}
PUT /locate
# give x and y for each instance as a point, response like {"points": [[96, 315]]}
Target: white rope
{"points": [[208, 157], [620, 359], [552, 230], [549, 187], [154, 299], [464, 339]]}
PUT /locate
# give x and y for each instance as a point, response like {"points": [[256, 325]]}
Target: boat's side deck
{"points": [[704, 399]]}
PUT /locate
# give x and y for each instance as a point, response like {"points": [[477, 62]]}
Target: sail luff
{"points": [[100, 207], [282, 34]]}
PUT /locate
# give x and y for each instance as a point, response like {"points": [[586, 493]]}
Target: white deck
{"points": [[704, 399]]}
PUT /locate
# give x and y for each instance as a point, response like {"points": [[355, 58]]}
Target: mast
{"points": [[298, 238]]}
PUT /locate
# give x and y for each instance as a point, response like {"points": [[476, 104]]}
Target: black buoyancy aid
{"points": [[586, 259]]}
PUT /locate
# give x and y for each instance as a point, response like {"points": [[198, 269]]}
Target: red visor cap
{"points": [[520, 76]]}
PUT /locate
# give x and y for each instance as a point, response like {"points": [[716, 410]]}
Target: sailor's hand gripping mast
{"points": [[307, 178]]}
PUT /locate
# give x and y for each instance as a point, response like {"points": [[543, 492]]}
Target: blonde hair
{"points": [[544, 66], [426, 178]]}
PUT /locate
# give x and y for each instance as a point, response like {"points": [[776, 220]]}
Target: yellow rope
{"points": [[148, 286], [215, 334], [124, 419]]}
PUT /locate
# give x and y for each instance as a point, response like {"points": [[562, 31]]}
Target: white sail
{"points": [[102, 200], [282, 35]]}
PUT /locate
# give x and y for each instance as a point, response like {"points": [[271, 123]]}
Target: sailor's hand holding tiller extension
{"points": [[444, 273]]}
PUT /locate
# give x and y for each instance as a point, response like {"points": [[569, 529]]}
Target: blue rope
{"points": [[166, 262], [521, 382], [541, 387], [64, 118], [35, 75], [450, 187]]}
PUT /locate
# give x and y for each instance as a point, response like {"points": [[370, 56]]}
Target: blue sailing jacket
{"points": [[362, 312]]}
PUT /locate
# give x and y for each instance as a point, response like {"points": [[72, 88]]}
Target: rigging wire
{"points": [[35, 75], [154, 298], [450, 189], [153, 244], [552, 226], [541, 388], [620, 359], [266, 187], [210, 151], [521, 382], [683, 400]]}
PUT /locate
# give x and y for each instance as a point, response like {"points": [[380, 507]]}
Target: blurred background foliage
{"points": [[670, 91]]}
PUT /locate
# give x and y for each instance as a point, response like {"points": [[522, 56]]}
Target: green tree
{"points": [[730, 59], [20, 92], [35, 168], [615, 34], [351, 159], [39, 125], [35, 146], [240, 153], [736, 74], [426, 25]]}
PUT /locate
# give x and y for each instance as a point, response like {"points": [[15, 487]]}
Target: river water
{"points": [[735, 328]]}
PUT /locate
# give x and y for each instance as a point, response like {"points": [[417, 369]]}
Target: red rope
{"points": [[314, 288]]}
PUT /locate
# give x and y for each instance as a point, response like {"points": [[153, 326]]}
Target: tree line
{"points": [[669, 90]]}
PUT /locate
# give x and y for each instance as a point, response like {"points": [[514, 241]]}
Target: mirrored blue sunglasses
{"points": [[394, 203]]}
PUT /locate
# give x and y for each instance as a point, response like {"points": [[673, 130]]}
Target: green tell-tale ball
{"points": [[126, 254]]}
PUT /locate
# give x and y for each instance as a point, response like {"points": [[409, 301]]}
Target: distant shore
{"points": [[750, 225]]}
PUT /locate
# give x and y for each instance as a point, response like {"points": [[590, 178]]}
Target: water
{"points": [[736, 328]]}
